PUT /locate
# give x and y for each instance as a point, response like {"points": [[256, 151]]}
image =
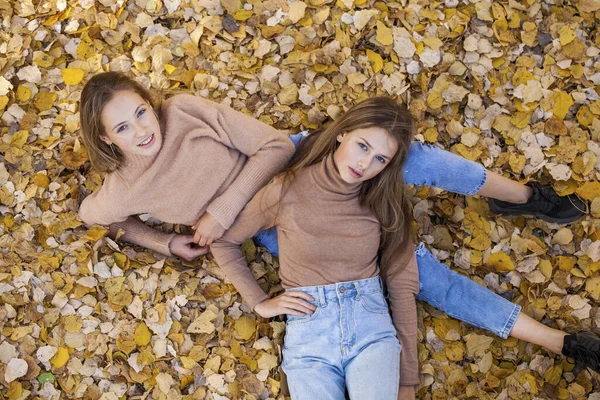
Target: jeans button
{"points": [[342, 289]]}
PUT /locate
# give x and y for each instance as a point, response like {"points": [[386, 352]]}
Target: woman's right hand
{"points": [[183, 246], [292, 302]]}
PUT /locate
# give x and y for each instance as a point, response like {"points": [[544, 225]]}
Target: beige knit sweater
{"points": [[213, 159], [325, 237]]}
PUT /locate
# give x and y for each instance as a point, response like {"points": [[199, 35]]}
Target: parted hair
{"points": [[96, 93], [385, 193]]}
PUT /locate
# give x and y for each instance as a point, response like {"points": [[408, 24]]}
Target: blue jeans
{"points": [[441, 287], [349, 342]]}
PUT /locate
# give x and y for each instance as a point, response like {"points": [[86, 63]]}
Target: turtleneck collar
{"points": [[327, 176], [139, 161]]}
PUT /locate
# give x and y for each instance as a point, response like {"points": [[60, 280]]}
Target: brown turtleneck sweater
{"points": [[325, 236], [213, 159]]}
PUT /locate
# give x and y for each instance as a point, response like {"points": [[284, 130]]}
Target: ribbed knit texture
{"points": [[213, 159], [325, 237]]}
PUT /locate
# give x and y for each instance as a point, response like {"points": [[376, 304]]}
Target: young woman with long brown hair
{"points": [[340, 202]]}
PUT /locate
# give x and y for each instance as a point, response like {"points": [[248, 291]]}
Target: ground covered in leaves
{"points": [[510, 84]]}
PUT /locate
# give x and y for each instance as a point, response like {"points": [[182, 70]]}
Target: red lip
{"points": [[149, 143], [355, 173]]}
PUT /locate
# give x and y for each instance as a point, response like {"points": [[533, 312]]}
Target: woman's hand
{"points": [[185, 247], [292, 302], [208, 229], [406, 393]]}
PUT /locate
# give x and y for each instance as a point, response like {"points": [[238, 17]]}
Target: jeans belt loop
{"points": [[322, 299], [357, 287]]}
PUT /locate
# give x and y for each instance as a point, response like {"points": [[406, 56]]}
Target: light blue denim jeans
{"points": [[349, 342], [441, 287]]}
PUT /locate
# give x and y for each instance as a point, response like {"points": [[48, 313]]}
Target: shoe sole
{"points": [[540, 216]]}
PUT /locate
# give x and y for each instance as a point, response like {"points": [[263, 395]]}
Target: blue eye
{"points": [[380, 159], [142, 111], [363, 146], [121, 128]]}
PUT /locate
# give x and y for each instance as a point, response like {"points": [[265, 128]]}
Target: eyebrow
{"points": [[369, 144], [135, 113]]}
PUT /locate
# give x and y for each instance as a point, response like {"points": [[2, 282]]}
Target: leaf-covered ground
{"points": [[510, 84]]}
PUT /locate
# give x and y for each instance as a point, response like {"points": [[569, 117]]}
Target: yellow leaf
{"points": [[584, 116], [455, 351], [170, 68], [480, 242], [245, 326], [521, 119], [500, 262], [45, 100], [553, 375], [142, 335], [95, 233], [60, 358], [375, 60], [546, 268], [562, 102], [288, 95], [433, 42], [384, 34], [44, 60], [23, 93], [431, 135], [589, 190], [566, 34], [18, 139], [188, 363], [243, 15], [516, 162], [3, 102], [72, 76], [73, 323]]}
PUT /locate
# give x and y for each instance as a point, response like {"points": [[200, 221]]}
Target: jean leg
{"points": [[463, 299], [431, 166], [315, 381], [297, 138], [268, 239], [374, 372]]}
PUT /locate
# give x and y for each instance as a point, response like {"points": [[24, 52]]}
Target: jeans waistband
{"points": [[322, 293]]}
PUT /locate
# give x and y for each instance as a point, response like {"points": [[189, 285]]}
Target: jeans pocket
{"points": [[300, 319], [374, 302]]}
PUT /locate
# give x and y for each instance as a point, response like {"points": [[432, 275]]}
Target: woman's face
{"points": [[363, 153], [130, 124]]}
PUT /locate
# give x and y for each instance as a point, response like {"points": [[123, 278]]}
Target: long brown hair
{"points": [[385, 193], [96, 93]]}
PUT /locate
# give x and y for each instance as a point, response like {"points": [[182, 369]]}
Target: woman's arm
{"points": [[259, 213], [403, 287], [98, 208], [268, 151]]}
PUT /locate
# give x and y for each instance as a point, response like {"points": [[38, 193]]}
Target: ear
{"points": [[106, 140], [341, 136]]}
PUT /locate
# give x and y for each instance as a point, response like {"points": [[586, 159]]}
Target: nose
{"points": [[363, 162], [140, 130]]}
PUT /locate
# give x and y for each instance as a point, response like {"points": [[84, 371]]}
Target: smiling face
{"points": [[363, 153], [130, 124]]}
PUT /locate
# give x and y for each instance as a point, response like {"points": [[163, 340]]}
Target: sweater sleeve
{"points": [[98, 208], [403, 287], [268, 151], [260, 213]]}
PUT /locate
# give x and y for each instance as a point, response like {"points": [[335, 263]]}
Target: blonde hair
{"points": [[97, 92], [385, 193]]}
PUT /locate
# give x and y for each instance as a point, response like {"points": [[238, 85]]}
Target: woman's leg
{"points": [[431, 166], [465, 300]]}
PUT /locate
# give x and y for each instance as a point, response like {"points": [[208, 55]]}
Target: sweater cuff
{"points": [[226, 208]]}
